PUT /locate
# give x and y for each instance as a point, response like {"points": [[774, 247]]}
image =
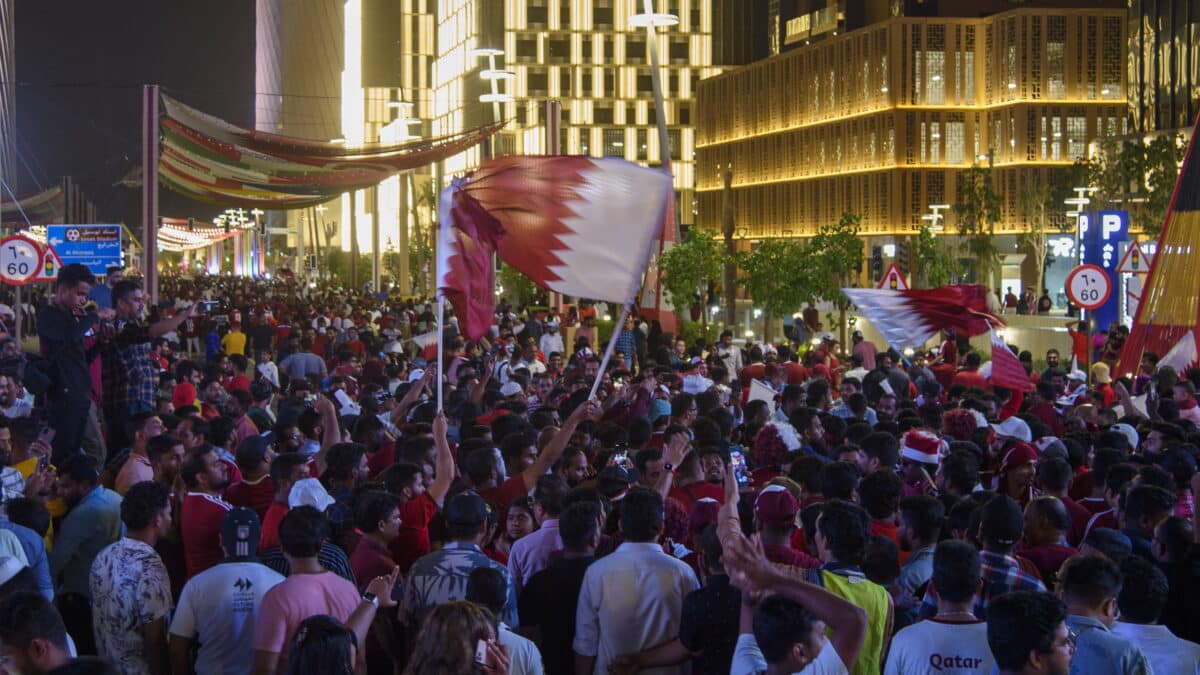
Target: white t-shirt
{"points": [[748, 660], [219, 608], [939, 647], [523, 656]]}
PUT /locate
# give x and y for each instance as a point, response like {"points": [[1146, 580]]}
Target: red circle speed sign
{"points": [[1088, 286]]}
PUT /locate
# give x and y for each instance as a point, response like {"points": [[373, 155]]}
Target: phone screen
{"points": [[737, 464]]}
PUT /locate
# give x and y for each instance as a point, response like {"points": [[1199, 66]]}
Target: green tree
{"points": [[935, 264], [1037, 205], [773, 273], [1138, 177], [832, 258], [518, 288], [424, 233], [689, 267], [978, 210]]}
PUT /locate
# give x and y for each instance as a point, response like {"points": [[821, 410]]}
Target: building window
{"points": [[527, 48], [614, 142], [539, 83], [679, 50], [539, 17], [675, 142], [642, 145], [603, 114], [603, 18], [585, 141]]}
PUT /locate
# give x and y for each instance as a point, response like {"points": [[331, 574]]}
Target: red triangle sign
{"points": [[50, 265], [1135, 260], [892, 279]]}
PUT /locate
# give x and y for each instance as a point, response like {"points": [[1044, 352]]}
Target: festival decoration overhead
{"points": [[208, 159], [180, 234], [41, 207], [1168, 317]]}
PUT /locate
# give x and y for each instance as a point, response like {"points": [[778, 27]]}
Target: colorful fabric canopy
{"points": [[45, 206], [210, 160]]}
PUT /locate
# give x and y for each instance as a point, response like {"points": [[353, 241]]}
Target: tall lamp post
{"points": [[1077, 204]]}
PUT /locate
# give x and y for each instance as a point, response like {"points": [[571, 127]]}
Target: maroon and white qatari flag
{"points": [[909, 318], [581, 226], [1007, 370], [467, 238]]}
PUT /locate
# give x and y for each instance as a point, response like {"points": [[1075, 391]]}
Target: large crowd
{"points": [[259, 477]]}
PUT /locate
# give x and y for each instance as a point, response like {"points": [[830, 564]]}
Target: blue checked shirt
{"points": [[129, 376], [1001, 574]]}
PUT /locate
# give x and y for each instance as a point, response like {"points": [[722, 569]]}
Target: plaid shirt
{"points": [[1001, 574], [130, 376]]}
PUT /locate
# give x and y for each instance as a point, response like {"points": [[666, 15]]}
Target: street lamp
{"points": [[493, 75], [935, 217], [651, 21]]}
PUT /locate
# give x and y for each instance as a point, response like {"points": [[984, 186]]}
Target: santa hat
{"points": [[923, 446]]}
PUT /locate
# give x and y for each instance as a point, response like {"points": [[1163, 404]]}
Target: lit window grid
{"points": [[630, 104], [760, 130]]}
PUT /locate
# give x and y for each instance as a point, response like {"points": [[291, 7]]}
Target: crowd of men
{"points": [[243, 479]]}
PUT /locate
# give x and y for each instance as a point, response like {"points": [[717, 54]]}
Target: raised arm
{"points": [[444, 469], [411, 396], [168, 325], [749, 570], [558, 444], [480, 386], [673, 454]]}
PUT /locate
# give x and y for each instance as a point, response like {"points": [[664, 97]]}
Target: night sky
{"points": [[80, 67]]}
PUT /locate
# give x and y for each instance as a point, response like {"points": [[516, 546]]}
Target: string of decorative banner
{"points": [[211, 160]]}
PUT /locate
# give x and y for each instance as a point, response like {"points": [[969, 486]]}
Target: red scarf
{"points": [[1188, 403]]}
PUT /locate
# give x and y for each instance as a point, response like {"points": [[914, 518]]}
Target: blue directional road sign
{"points": [[96, 246]]}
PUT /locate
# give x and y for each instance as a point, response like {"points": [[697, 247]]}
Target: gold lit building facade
{"points": [[880, 121], [585, 54], [356, 71]]}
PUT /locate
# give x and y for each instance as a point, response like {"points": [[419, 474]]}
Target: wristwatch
{"points": [[669, 467], [371, 598]]}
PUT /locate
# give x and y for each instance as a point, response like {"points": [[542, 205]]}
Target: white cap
{"points": [[309, 492], [1014, 427], [1128, 432], [510, 389]]}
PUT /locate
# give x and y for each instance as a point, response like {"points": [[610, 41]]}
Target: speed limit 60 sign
{"points": [[20, 259], [1089, 286]]}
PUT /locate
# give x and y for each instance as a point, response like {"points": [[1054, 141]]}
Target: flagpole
{"points": [[608, 351], [441, 360]]}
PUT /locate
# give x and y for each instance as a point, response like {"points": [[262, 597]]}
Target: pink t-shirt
{"points": [[294, 600], [136, 470]]}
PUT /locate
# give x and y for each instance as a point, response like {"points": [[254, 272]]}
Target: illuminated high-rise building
{"points": [[585, 54], [1164, 64], [357, 72], [883, 119]]}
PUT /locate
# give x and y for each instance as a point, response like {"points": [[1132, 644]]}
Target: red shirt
{"points": [[794, 373], [971, 379], [370, 560], [785, 555], [886, 529], [1094, 505], [200, 522], [413, 540], [257, 496], [1048, 559], [688, 495], [381, 459], [502, 495], [754, 371], [1079, 520], [270, 525]]}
